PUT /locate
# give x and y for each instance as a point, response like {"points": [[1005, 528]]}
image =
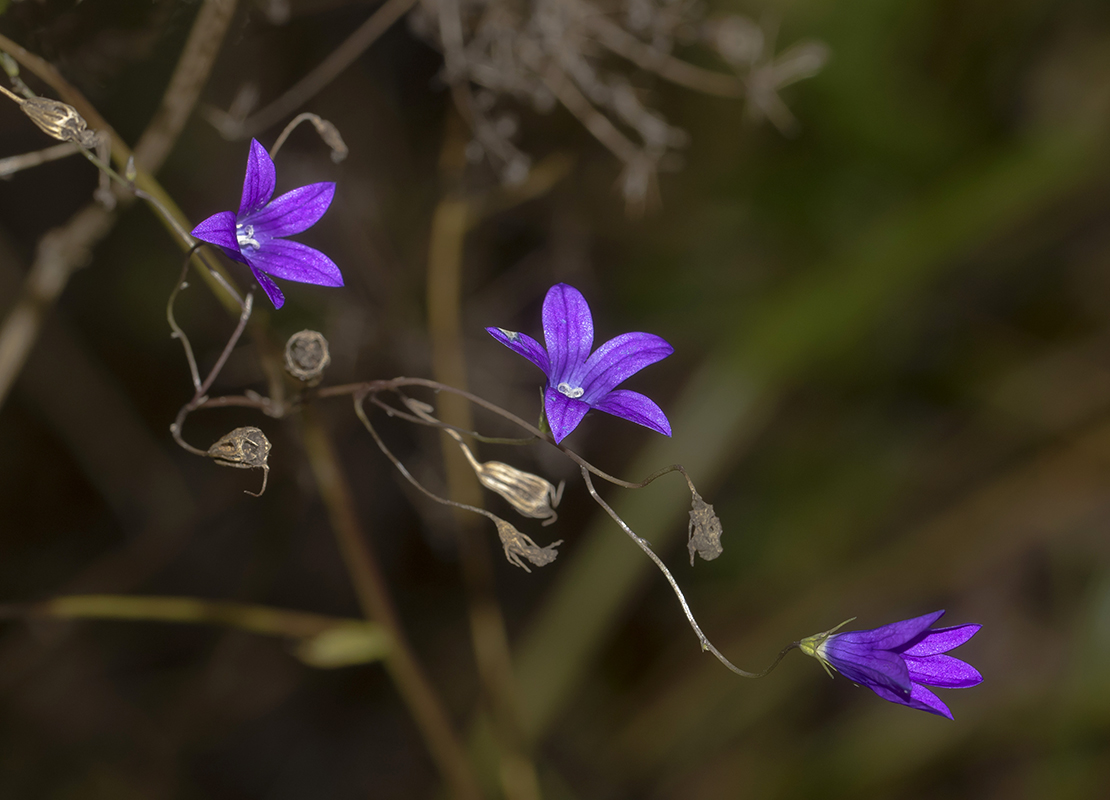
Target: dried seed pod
{"points": [[705, 531], [517, 544], [529, 494], [243, 448], [59, 120], [307, 356]]}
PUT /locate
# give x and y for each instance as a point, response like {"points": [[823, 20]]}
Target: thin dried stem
{"points": [[201, 387], [177, 331], [360, 411], [327, 131], [643, 545]]}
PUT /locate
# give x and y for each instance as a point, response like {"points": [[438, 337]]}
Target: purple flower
{"points": [[254, 235], [578, 381], [898, 661]]}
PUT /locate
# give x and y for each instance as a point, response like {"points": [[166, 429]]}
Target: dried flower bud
{"points": [[243, 448], [307, 356], [517, 544], [529, 494], [330, 134], [705, 531], [59, 120]]}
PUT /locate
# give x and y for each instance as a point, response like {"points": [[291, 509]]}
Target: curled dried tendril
{"points": [[243, 448]]}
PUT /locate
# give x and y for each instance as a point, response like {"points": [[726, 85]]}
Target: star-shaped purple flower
{"points": [[898, 661], [578, 381], [254, 235]]}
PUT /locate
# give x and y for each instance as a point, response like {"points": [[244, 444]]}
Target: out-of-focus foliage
{"points": [[891, 380]]}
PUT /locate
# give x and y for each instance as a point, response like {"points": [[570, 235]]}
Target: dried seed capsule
{"points": [[517, 544], [705, 530], [243, 448], [59, 120], [307, 356], [529, 494]]}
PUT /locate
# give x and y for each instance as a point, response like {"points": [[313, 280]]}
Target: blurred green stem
{"points": [[487, 625], [248, 617]]}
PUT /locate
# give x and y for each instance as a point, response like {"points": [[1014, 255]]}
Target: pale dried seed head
{"points": [[244, 448], [59, 120], [705, 530], [307, 356], [529, 494], [247, 448], [517, 544]]}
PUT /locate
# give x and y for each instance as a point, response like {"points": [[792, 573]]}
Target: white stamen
{"points": [[573, 392], [246, 237]]}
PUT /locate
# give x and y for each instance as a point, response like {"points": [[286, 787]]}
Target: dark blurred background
{"points": [[891, 378]]}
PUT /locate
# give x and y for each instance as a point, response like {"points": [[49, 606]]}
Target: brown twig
{"points": [[666, 66], [189, 77], [487, 624], [13, 164], [60, 252], [169, 214], [312, 83], [414, 686], [593, 120], [66, 249]]}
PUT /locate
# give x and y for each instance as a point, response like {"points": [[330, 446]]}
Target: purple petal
{"points": [[941, 640], [269, 287], [890, 637], [868, 667], [568, 330], [523, 345], [920, 698], [563, 413], [634, 407], [260, 180], [293, 212], [294, 261], [941, 670], [925, 700], [620, 358], [218, 229]]}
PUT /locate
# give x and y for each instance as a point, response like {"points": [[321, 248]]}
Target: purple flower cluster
{"points": [[578, 380], [899, 660], [255, 235]]}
